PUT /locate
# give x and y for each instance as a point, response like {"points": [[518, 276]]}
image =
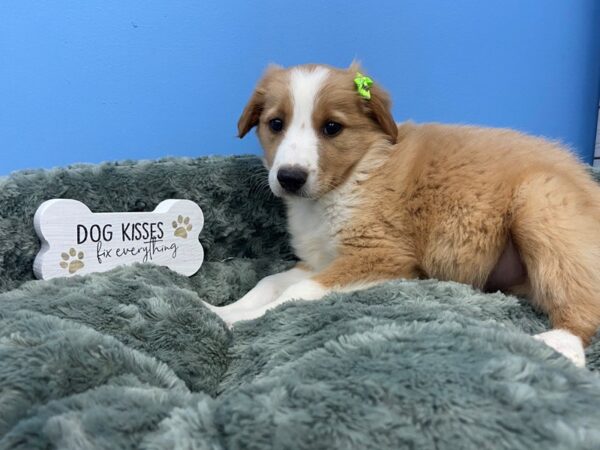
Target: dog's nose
{"points": [[291, 178]]}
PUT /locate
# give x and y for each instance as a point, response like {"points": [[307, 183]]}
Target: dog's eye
{"points": [[332, 128], [276, 125]]}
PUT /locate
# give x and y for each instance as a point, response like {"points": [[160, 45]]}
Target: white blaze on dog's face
{"points": [[314, 127]]}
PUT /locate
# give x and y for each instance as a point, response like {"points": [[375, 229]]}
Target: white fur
{"points": [[311, 231], [314, 224], [565, 343], [300, 145], [266, 291], [303, 290]]}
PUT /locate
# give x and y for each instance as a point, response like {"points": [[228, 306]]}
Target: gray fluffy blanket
{"points": [[131, 359]]}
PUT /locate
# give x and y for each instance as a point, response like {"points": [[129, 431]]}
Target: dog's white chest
{"points": [[314, 226]]}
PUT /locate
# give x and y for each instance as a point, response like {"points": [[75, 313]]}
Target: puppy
{"points": [[369, 200]]}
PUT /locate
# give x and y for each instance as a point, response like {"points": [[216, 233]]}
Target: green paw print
{"points": [[182, 225], [72, 260]]}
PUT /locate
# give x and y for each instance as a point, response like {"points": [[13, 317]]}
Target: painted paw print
{"points": [[182, 226], [72, 260]]}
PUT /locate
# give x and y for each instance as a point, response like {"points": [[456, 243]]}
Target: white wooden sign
{"points": [[76, 241]]}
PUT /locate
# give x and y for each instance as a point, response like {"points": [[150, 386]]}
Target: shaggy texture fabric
{"points": [[131, 359]]}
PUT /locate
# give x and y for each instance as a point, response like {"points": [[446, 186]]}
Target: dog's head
{"points": [[314, 126]]}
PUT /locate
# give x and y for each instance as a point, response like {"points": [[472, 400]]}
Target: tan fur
{"points": [[364, 124], [442, 201]]}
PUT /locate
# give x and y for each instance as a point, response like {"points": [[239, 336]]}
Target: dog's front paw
{"points": [[564, 343], [225, 314], [231, 319]]}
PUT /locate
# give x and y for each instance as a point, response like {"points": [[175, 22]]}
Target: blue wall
{"points": [[92, 81]]}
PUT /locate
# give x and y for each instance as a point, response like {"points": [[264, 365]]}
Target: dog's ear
{"points": [[355, 66], [251, 114], [379, 107]]}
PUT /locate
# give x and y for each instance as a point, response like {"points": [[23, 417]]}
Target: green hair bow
{"points": [[363, 85]]}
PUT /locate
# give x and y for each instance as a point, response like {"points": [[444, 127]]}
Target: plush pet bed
{"points": [[130, 358]]}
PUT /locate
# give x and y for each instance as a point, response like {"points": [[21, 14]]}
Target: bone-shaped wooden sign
{"points": [[76, 241]]}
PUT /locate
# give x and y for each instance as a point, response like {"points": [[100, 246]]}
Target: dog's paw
{"points": [[232, 318], [564, 343], [224, 314]]}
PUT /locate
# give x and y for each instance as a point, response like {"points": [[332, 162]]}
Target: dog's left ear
{"points": [[379, 107]]}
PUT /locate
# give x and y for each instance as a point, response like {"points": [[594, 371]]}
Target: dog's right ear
{"points": [[251, 114]]}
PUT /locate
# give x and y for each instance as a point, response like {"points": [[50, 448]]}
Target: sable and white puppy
{"points": [[369, 200]]}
